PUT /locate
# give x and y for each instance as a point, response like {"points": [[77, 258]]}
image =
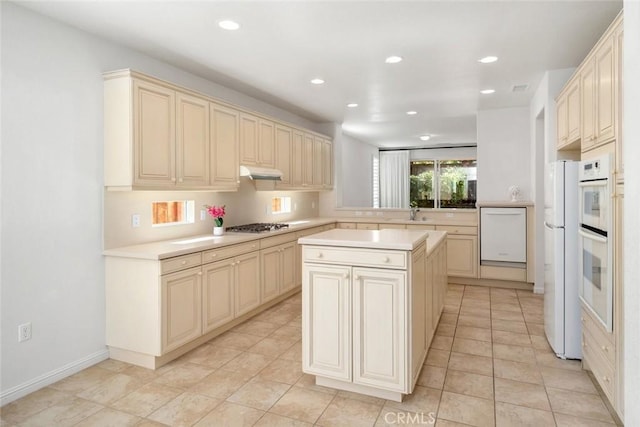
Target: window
{"points": [[172, 213], [443, 183], [280, 205]]}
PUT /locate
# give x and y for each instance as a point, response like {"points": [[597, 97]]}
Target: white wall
{"points": [[631, 135], [503, 153], [356, 164], [52, 191], [543, 150]]}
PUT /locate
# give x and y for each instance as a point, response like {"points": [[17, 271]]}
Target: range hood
{"points": [[258, 173]]}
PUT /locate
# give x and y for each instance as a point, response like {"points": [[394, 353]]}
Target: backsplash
{"points": [[244, 206]]}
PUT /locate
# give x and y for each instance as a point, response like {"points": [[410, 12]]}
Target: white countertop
{"points": [[190, 244], [405, 240]]}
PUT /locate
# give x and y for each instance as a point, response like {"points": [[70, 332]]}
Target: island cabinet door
{"points": [[379, 328], [326, 321]]}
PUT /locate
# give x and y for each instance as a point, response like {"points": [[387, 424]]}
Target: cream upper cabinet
{"points": [[297, 161], [154, 116], [568, 116], [588, 84], [224, 145], [573, 112], [267, 146], [249, 149], [308, 161], [562, 123], [317, 162], [600, 92], [181, 308], [192, 141], [284, 154], [327, 164], [257, 141]]}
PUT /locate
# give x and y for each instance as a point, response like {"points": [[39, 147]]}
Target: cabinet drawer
{"points": [[229, 251], [277, 240], [602, 340], [357, 257], [309, 232], [347, 225], [366, 226], [180, 263], [597, 363], [420, 227], [458, 229]]}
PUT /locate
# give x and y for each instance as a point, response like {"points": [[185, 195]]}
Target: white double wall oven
{"points": [[595, 245]]}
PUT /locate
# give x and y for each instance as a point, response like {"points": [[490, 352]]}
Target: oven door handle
{"points": [[598, 183], [591, 236]]}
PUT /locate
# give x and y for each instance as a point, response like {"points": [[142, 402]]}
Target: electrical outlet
{"points": [[24, 332], [203, 214], [135, 220]]}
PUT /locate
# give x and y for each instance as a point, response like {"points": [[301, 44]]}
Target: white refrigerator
{"points": [[561, 302]]}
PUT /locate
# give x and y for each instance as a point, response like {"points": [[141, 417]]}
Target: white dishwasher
{"points": [[503, 236]]}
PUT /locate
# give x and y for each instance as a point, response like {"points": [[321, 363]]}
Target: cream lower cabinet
{"points": [[462, 250], [181, 308], [366, 329], [247, 282], [278, 270]]}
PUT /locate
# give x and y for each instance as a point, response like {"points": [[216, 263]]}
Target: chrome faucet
{"points": [[412, 212]]}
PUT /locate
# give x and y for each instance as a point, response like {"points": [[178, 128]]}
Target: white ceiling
{"points": [[281, 45]]}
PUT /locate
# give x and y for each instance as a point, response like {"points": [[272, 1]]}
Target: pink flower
{"points": [[217, 212]]}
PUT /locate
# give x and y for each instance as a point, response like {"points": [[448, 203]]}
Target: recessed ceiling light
{"points": [[228, 25], [352, 105], [425, 137], [317, 81], [487, 91], [488, 59], [393, 59], [412, 113]]}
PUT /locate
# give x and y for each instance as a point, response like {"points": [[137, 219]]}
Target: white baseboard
{"points": [[51, 377]]}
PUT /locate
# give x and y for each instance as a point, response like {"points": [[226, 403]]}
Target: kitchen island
{"points": [[371, 300]]}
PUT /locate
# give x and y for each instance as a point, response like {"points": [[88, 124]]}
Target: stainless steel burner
{"points": [[257, 227]]}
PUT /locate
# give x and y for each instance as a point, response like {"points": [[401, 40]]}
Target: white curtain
{"points": [[394, 179]]}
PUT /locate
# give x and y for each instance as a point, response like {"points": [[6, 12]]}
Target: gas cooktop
{"points": [[257, 227]]}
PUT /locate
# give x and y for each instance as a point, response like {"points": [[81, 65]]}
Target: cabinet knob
{"points": [[253, 246], [582, 319], [386, 259], [605, 348], [199, 273], [320, 255], [173, 179], [184, 262], [238, 262], [606, 378], [232, 264], [214, 255], [180, 180], [356, 277], [346, 276]]}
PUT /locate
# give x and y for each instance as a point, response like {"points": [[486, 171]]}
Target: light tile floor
{"points": [[489, 364]]}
